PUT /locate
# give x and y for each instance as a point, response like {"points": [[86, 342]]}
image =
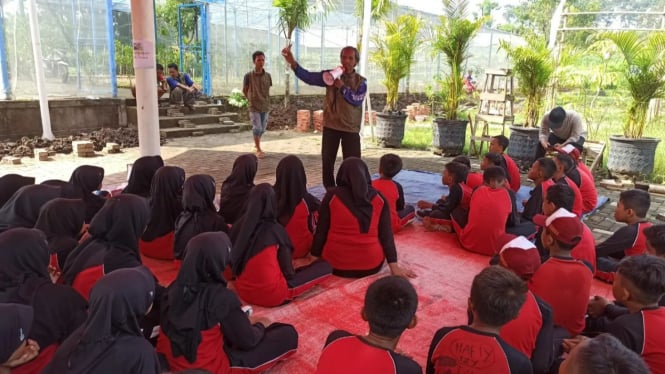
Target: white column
{"points": [[39, 70], [364, 60], [143, 32]]}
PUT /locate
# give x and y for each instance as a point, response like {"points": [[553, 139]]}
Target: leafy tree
{"points": [[380, 8]]}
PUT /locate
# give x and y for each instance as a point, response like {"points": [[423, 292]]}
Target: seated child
{"points": [[574, 150], [629, 240], [198, 213], [561, 196], [354, 232], [438, 214], [582, 180], [532, 331], [639, 285], [473, 179], [298, 209], [400, 213], [603, 354], [497, 295], [563, 281], [165, 207], [261, 258], [15, 347], [203, 325], [563, 164], [495, 159], [489, 210], [236, 187], [390, 308], [655, 238], [541, 174], [499, 144]]}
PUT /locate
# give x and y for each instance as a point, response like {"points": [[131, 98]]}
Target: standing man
{"points": [[558, 128], [183, 89], [256, 88], [342, 109]]}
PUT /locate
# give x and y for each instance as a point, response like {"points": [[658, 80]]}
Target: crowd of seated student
{"points": [[400, 213], [235, 188], [140, 177], [473, 179], [499, 145], [564, 164], [437, 216], [540, 173], [62, 221]]}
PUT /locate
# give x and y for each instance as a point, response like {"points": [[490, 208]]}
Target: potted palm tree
{"points": [[452, 39], [533, 66], [644, 56], [394, 54]]}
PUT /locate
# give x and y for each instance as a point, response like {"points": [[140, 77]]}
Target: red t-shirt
{"points": [[640, 245], [389, 190], [299, 232], [588, 192], [581, 166], [642, 332], [513, 172], [160, 248], [346, 248], [85, 280], [209, 355], [522, 332], [565, 284], [488, 213], [586, 248], [262, 281], [474, 180], [578, 205]]}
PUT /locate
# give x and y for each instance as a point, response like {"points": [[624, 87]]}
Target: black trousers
{"points": [[279, 340], [553, 139], [329, 146]]}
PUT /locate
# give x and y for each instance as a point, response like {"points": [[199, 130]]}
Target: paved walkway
{"points": [[214, 155]]}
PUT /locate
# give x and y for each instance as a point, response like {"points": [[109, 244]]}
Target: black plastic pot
{"points": [[632, 156], [390, 129], [523, 144], [448, 136]]}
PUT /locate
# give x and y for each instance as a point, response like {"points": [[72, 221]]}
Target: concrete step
{"points": [[198, 109], [203, 129], [198, 119]]}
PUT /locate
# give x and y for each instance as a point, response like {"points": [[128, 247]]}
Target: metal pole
{"points": [[235, 42], [489, 59], [226, 44], [5, 88], [297, 56], [364, 57], [181, 45], [77, 16], [143, 34], [93, 25], [269, 51], [39, 70], [323, 39], [205, 23], [110, 38]]}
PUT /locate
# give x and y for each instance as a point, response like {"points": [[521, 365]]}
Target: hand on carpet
{"points": [[422, 204], [399, 271], [262, 320]]}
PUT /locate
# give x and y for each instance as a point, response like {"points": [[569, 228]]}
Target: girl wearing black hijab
{"points": [[24, 279], [198, 213], [110, 339], [140, 178], [354, 231], [165, 207], [297, 208], [113, 243], [22, 209], [10, 183], [262, 253], [87, 179], [236, 187], [15, 347], [203, 325], [62, 221]]}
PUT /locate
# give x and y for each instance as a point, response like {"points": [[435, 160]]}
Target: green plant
{"points": [[453, 38], [237, 99], [380, 9], [533, 65], [644, 71], [394, 53]]}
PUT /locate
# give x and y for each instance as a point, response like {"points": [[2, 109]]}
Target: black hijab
{"points": [[118, 303], [61, 220], [23, 257], [198, 213], [195, 302], [355, 190], [290, 187], [165, 202], [236, 187], [86, 179], [22, 209], [114, 237], [140, 179], [15, 327], [10, 183], [257, 228]]}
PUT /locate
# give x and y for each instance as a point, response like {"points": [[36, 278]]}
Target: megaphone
{"points": [[330, 75]]}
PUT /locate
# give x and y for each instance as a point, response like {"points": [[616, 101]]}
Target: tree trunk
{"points": [[287, 84]]}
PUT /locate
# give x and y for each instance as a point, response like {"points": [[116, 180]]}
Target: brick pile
{"points": [[318, 120], [303, 120]]}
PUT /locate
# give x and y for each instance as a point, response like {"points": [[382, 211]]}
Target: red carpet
{"points": [[445, 272]]}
